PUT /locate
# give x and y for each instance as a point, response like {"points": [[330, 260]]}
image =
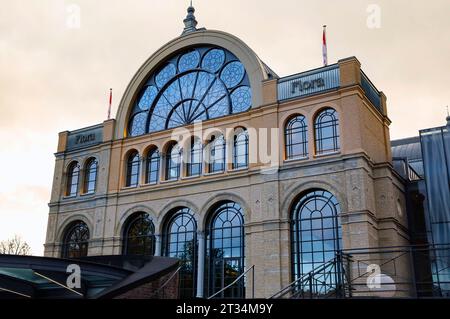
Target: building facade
{"points": [[214, 159]]}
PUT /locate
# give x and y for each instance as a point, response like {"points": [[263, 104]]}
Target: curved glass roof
{"points": [[197, 84]]}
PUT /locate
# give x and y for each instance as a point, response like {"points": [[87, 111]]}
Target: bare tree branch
{"points": [[15, 246]]}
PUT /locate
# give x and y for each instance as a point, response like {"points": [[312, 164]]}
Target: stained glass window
{"points": [[195, 85]]}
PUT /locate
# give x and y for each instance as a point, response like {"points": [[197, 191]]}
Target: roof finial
{"points": [[190, 23]]}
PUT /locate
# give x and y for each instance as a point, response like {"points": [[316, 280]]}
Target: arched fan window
{"points": [[195, 85], [76, 240]]}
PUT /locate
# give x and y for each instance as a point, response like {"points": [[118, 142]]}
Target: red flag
{"points": [[110, 103], [324, 47]]}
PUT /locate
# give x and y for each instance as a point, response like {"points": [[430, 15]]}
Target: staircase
{"points": [[329, 280]]}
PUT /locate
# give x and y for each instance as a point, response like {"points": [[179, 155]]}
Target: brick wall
{"points": [[150, 290]]}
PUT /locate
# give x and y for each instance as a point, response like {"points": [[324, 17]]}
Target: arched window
{"points": [[181, 242], [296, 138], [327, 131], [72, 179], [198, 84], [90, 177], [173, 161], [76, 240], [194, 167], [316, 236], [225, 250], [133, 165], [139, 235], [217, 155], [240, 150], [152, 173]]}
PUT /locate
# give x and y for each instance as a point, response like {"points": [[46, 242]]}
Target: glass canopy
{"points": [[198, 84]]}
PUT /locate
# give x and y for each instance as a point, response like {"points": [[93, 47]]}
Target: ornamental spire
{"points": [[190, 23]]}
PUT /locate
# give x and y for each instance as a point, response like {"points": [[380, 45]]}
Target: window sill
{"points": [[190, 177], [297, 159], [150, 184], [214, 173], [168, 181], [327, 154], [87, 194], [129, 187], [241, 169], [69, 197]]}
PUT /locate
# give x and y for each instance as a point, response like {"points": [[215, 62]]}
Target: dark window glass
{"points": [[316, 237], [76, 241], [173, 161], [199, 84], [181, 243], [139, 236], [327, 131], [240, 150], [133, 169], [296, 138], [90, 179], [195, 159], [217, 155], [225, 251], [152, 167], [72, 179]]}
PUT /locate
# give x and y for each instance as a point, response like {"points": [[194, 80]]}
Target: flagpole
{"points": [[324, 46], [110, 103]]}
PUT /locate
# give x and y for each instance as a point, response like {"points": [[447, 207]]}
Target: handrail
{"points": [[235, 281], [167, 282], [305, 276], [308, 275]]}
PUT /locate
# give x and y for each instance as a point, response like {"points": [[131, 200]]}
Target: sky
{"points": [[58, 59]]}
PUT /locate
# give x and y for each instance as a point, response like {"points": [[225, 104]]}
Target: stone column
{"points": [[201, 264], [157, 245]]}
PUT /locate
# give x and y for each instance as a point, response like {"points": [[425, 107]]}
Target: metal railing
{"points": [[160, 292], [384, 272], [326, 281], [242, 276]]}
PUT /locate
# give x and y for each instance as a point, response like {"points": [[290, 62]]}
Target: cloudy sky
{"points": [[56, 68]]}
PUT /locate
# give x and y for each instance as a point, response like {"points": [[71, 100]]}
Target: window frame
{"points": [[153, 157], [133, 161], [70, 179], [139, 217], [83, 250], [237, 165], [213, 145], [289, 135], [193, 152], [320, 125], [170, 163], [87, 175]]}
